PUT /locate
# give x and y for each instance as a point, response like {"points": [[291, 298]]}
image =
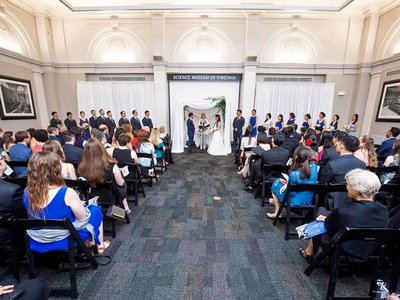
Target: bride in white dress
{"points": [[216, 146]]}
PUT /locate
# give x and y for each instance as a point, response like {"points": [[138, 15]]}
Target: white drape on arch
{"points": [[193, 94], [117, 97], [300, 98]]}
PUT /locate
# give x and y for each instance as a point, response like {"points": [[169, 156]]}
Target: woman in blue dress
{"points": [[48, 198], [292, 119], [307, 121], [335, 122], [302, 171], [280, 124], [84, 124], [254, 122], [321, 120]]}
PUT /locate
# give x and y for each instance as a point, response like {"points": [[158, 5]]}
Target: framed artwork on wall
{"points": [[16, 101], [389, 105]]}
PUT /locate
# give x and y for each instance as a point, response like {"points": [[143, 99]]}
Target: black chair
{"points": [[307, 212], [383, 170], [72, 239], [268, 172], [161, 162], [152, 166], [15, 238], [134, 178], [21, 181], [12, 164], [80, 186], [384, 238]]}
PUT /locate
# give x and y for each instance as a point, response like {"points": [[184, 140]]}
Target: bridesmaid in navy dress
{"points": [[84, 124], [335, 122], [307, 121], [292, 119], [279, 124], [253, 122], [321, 120]]}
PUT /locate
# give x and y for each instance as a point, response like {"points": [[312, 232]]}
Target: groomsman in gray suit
{"points": [[146, 121], [238, 124]]}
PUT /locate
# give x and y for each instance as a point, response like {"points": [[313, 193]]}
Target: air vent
{"points": [[393, 73], [157, 58], [251, 58], [122, 78], [288, 79]]}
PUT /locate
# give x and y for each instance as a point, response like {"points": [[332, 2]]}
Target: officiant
{"points": [[203, 132]]}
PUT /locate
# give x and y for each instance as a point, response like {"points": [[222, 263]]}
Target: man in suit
{"points": [[69, 122], [336, 170], [54, 134], [102, 118], [386, 148], [93, 120], [190, 131], [135, 122], [295, 134], [238, 123], [110, 123], [72, 153], [123, 120], [55, 121], [275, 156], [290, 143], [146, 121], [330, 154], [20, 151], [10, 203]]}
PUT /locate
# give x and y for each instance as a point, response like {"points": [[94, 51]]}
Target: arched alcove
{"points": [[291, 46], [117, 46], [391, 42], [204, 45]]}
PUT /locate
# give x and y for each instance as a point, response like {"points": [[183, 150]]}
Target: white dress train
{"points": [[216, 146]]}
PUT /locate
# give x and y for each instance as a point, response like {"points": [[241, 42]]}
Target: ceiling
{"points": [[72, 7]]}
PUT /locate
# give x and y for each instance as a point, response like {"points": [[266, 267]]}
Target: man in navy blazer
{"points": [[72, 153], [20, 151], [190, 131], [336, 170], [386, 148]]}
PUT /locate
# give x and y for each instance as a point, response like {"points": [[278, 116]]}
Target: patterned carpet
{"points": [[182, 244]]}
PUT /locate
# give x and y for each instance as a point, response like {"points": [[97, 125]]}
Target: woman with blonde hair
{"points": [[67, 169], [48, 198], [157, 143], [366, 152]]}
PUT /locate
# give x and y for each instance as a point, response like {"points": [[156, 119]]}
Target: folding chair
{"points": [[134, 178], [383, 237], [161, 162], [382, 170], [269, 171], [152, 166], [74, 241], [21, 181], [13, 249]]}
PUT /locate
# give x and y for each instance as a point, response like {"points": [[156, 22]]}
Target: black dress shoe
{"points": [[248, 189]]}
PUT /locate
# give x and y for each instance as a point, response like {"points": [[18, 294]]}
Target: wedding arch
{"points": [[196, 95]]}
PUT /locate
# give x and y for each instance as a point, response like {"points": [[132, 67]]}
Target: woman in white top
{"points": [[248, 141], [268, 123], [393, 159], [67, 169]]}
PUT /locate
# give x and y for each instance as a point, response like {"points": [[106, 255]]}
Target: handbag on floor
{"points": [[116, 212]]}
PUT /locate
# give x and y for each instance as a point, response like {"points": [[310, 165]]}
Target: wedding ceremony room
{"points": [[199, 149]]}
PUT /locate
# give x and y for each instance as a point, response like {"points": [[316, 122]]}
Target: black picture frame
{"points": [[389, 104], [16, 100]]}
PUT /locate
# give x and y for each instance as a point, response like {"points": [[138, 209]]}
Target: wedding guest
{"points": [[335, 122], [8, 142], [253, 122], [190, 131], [69, 122], [307, 121], [54, 134], [366, 152], [157, 143], [292, 119], [101, 137], [84, 124], [387, 146], [252, 164], [39, 137], [393, 159], [93, 120], [248, 140], [291, 142], [144, 146], [20, 151], [261, 135], [55, 121], [321, 120], [146, 121], [167, 143], [123, 153], [268, 123], [280, 124], [73, 154], [79, 137], [67, 169], [352, 128], [325, 143], [135, 122], [271, 133], [238, 123]]}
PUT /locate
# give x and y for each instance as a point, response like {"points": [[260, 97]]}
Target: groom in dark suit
{"points": [[190, 130], [238, 124]]}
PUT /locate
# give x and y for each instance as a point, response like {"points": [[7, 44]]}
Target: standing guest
{"points": [[39, 137], [157, 143], [93, 120], [321, 120], [67, 169], [73, 154], [335, 122], [54, 134], [102, 118], [366, 152], [48, 198], [352, 128], [280, 124], [69, 122], [253, 122], [268, 123], [135, 122], [167, 143], [292, 119], [386, 148], [55, 121], [307, 121], [84, 124], [238, 124], [110, 123], [20, 151], [302, 171], [123, 120], [190, 131], [325, 143], [146, 121]]}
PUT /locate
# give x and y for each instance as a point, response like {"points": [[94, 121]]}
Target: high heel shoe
{"points": [[308, 258]]}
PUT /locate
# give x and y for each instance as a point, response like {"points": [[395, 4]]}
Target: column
{"points": [[41, 104], [248, 89], [370, 106], [371, 36], [42, 27], [158, 32], [161, 94]]}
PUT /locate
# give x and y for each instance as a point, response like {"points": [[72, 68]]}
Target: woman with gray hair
{"points": [[362, 212]]}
